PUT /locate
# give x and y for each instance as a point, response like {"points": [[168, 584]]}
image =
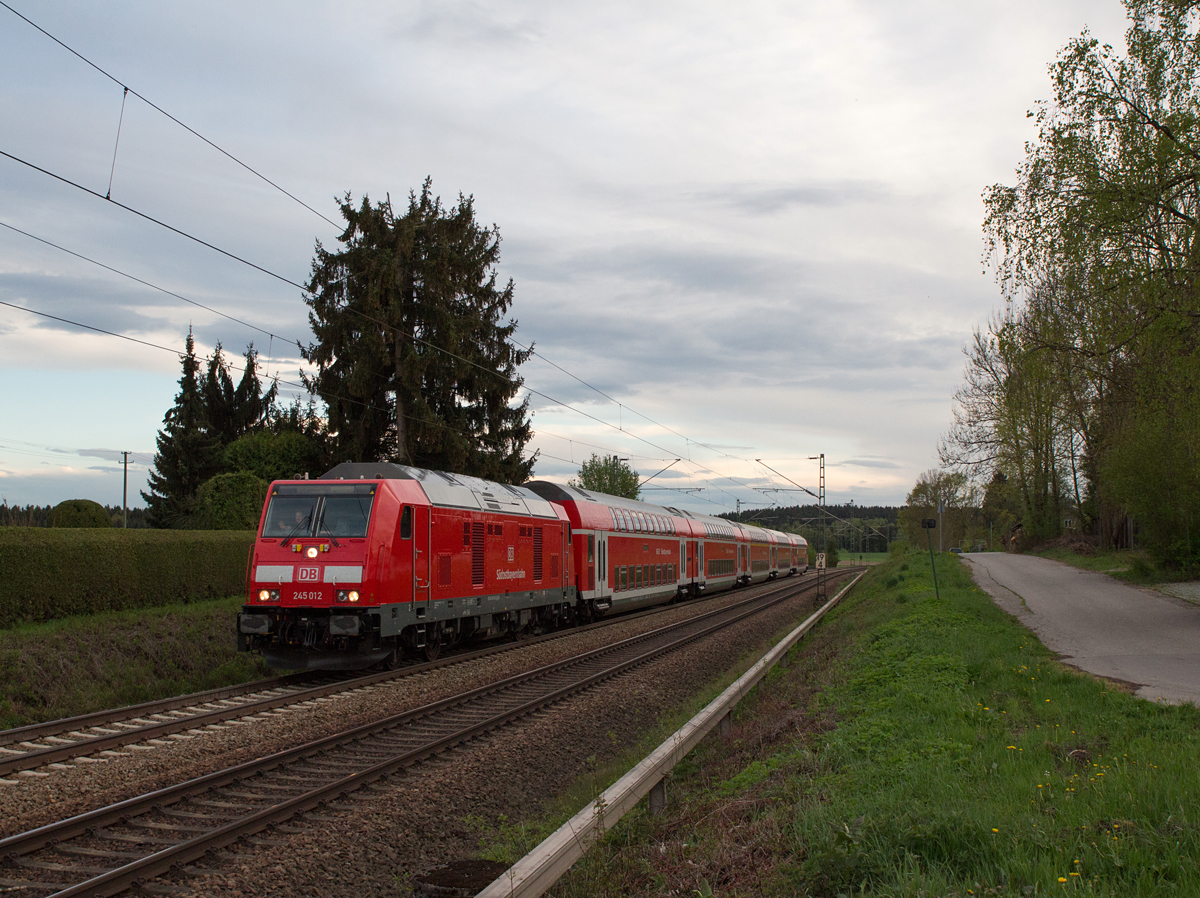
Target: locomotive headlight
{"points": [[268, 595], [346, 595], [352, 595], [311, 551]]}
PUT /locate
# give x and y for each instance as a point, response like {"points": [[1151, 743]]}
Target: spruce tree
{"points": [[412, 355], [188, 453]]}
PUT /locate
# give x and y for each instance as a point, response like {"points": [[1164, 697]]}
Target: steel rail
{"points": [[174, 856], [85, 743]]}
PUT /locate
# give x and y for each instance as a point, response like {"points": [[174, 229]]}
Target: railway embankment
{"points": [[918, 744], [84, 663]]}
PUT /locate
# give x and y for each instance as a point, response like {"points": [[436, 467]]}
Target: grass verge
{"points": [[75, 665], [921, 746]]}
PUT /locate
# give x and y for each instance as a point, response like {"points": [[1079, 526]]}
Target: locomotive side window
{"points": [[406, 523]]}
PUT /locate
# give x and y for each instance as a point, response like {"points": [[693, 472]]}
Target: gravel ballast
{"points": [[434, 813]]}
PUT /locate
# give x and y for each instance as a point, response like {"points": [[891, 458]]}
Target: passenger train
{"points": [[379, 563]]}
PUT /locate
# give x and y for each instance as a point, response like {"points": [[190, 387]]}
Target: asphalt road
{"points": [[1098, 624]]}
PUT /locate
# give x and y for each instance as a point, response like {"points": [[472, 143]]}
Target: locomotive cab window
{"points": [[406, 523], [319, 509]]}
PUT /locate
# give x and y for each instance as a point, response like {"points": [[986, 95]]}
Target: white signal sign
{"points": [[820, 561]]}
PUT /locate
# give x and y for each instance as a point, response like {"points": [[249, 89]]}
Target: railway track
{"points": [[53, 742], [111, 849]]}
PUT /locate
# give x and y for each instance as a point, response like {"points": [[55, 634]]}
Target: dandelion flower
{"points": [[1062, 879]]}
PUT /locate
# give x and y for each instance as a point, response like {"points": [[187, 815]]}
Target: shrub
{"points": [[48, 573], [79, 513], [230, 502], [273, 456]]}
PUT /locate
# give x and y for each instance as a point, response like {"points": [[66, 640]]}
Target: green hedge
{"points": [[49, 573]]}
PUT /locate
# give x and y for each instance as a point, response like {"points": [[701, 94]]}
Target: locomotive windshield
{"points": [[319, 509]]}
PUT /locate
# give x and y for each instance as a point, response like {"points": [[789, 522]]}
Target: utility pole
{"points": [[821, 499], [940, 528], [125, 490]]}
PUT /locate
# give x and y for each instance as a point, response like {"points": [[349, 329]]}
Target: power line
{"points": [[138, 280], [126, 90], [234, 367], [129, 90], [150, 218]]}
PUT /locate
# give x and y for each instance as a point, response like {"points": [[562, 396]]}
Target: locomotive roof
{"points": [[451, 490]]}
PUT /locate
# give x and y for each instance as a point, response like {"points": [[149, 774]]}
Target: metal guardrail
{"points": [[533, 874]]}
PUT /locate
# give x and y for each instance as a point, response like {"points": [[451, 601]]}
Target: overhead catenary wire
{"points": [[218, 312], [149, 218], [129, 90], [548, 398], [232, 366], [126, 89], [235, 367], [107, 197], [413, 338], [139, 280]]}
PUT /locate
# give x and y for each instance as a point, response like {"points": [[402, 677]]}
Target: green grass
{"points": [[945, 753], [75, 665], [1130, 565], [846, 557]]}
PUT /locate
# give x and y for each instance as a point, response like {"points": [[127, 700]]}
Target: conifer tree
{"points": [[188, 453], [413, 358]]}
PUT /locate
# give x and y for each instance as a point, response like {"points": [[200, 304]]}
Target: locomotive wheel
{"points": [[433, 647], [395, 660]]}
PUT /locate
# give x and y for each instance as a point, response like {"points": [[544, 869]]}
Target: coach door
{"points": [[602, 563], [420, 565]]}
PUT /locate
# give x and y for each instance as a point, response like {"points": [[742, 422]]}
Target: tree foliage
{"points": [[1078, 393], [230, 502], [209, 413], [953, 493], [412, 355], [609, 475]]}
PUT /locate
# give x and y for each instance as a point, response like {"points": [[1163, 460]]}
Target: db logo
{"points": [[308, 574]]}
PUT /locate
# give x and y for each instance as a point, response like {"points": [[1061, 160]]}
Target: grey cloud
{"points": [[869, 462], [757, 199], [135, 458], [456, 23]]}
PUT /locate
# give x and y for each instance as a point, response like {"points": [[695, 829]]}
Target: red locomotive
{"points": [[378, 562]]}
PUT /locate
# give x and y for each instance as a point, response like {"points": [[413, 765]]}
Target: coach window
{"points": [[406, 523], [591, 547], [624, 578]]}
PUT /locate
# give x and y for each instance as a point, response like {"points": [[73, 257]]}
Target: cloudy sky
{"points": [[756, 226]]}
